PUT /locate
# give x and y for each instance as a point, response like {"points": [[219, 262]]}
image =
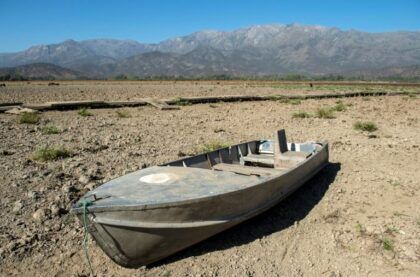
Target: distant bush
{"points": [[15, 77], [121, 77]]}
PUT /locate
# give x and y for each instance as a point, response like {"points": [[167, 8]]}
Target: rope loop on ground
{"points": [[84, 203]]}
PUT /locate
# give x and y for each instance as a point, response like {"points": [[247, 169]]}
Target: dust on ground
{"points": [[358, 216]]}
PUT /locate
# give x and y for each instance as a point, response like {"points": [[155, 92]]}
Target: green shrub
{"points": [[360, 229], [123, 113], [327, 113], [182, 102], [411, 94], [47, 153], [274, 97], [365, 126], [48, 130], [295, 101], [387, 244], [211, 146], [290, 101], [339, 107], [29, 118], [84, 112]]}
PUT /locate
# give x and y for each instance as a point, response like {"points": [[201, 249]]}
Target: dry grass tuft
{"points": [[84, 112], [211, 146], [47, 153], [123, 113], [365, 126], [29, 118], [326, 113], [49, 130], [387, 244]]}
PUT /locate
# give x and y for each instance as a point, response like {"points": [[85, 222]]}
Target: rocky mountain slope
{"points": [[257, 50], [39, 71]]}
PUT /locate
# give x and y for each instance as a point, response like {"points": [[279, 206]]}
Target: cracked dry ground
{"points": [[358, 217]]}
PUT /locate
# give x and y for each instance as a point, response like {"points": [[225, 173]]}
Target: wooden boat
{"points": [[147, 215]]}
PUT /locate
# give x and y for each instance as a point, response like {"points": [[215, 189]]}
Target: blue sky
{"points": [[30, 22]]}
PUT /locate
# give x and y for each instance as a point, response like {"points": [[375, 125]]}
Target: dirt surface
{"points": [[40, 92], [358, 217]]}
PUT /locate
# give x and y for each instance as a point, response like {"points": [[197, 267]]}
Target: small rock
{"points": [[6, 152], [68, 189], [410, 253], [55, 210], [32, 194], [17, 206], [94, 173], [40, 215], [60, 175], [12, 245], [84, 179], [181, 154], [90, 186]]}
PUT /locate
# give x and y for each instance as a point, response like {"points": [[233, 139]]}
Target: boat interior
{"points": [[193, 178], [264, 157]]}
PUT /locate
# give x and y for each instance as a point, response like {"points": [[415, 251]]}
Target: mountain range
{"points": [[274, 49]]}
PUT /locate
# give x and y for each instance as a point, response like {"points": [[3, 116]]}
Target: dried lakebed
{"points": [[359, 216]]}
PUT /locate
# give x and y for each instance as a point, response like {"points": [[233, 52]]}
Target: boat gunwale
{"points": [[154, 206]]}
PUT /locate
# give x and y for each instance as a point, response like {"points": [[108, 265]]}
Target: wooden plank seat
{"points": [[268, 159], [246, 170], [265, 159]]}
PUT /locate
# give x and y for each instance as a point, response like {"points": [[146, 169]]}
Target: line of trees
{"points": [[15, 77], [288, 77]]}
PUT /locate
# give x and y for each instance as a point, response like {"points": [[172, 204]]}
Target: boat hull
{"points": [[135, 236]]}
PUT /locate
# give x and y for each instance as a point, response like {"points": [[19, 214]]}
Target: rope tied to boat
{"points": [[84, 203]]}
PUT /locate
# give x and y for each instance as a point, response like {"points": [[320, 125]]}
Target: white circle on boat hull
{"points": [[157, 178]]}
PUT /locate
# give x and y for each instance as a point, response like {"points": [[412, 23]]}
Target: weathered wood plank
{"points": [[170, 104], [7, 108], [265, 159], [38, 107], [118, 104], [245, 170], [160, 104], [76, 104]]}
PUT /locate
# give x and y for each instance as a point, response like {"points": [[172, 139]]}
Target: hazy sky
{"points": [[32, 22]]}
